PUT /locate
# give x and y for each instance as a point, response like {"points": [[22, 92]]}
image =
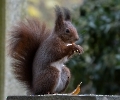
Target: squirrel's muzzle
{"points": [[76, 39]]}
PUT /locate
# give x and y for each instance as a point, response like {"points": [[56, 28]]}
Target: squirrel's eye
{"points": [[67, 31]]}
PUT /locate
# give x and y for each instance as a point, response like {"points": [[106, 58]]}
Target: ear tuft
{"points": [[67, 14], [59, 18]]}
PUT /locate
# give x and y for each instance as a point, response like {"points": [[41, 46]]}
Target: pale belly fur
{"points": [[62, 79]]}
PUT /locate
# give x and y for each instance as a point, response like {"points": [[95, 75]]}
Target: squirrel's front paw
{"points": [[78, 49]]}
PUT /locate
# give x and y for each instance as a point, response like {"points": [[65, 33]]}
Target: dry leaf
{"points": [[77, 90]]}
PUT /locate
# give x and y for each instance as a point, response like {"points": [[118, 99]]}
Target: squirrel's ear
{"points": [[59, 18], [67, 14]]}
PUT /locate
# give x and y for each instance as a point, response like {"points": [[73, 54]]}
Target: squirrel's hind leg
{"points": [[65, 77], [63, 80], [45, 81]]}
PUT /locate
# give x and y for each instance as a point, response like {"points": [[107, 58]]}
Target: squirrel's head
{"points": [[63, 26]]}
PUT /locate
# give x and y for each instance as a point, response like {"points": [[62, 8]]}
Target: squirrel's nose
{"points": [[77, 38]]}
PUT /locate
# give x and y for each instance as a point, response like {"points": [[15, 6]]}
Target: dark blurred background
{"points": [[98, 68], [98, 25]]}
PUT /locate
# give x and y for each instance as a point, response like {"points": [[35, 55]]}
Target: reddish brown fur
{"points": [[33, 49], [25, 39], [44, 84]]}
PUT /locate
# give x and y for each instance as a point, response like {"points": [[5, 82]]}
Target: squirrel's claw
{"points": [[79, 49]]}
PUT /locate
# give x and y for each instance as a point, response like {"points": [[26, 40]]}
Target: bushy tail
{"points": [[24, 41]]}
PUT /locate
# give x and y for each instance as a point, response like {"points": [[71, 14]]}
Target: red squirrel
{"points": [[39, 54]]}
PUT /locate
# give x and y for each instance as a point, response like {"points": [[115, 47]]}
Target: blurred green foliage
{"points": [[99, 67]]}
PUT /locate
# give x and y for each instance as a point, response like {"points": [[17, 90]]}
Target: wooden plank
{"points": [[65, 97]]}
